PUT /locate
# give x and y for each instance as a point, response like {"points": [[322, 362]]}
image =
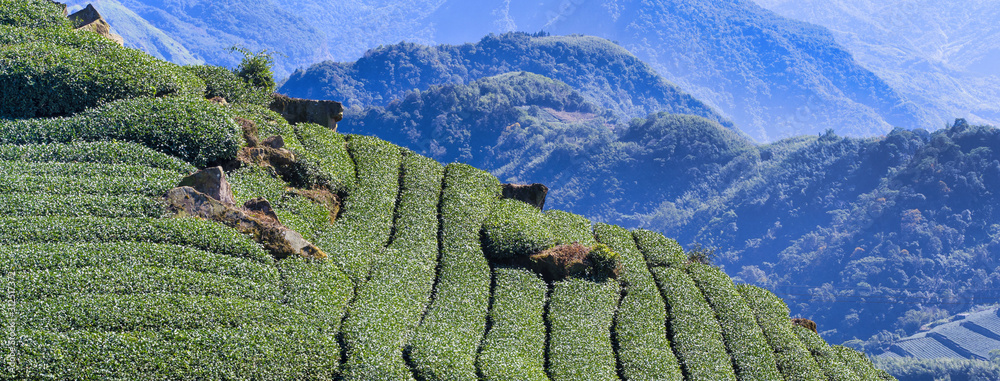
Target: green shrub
{"points": [[129, 280], [390, 303], [194, 130], [568, 228], [515, 229], [309, 218], [580, 315], [860, 364], [155, 184], [79, 205], [247, 353], [640, 325], [365, 222], [150, 312], [196, 233], [32, 13], [80, 170], [752, 356], [317, 288], [514, 347], [326, 158], [50, 78], [444, 346], [793, 358], [222, 82], [828, 360], [659, 250], [54, 256], [255, 181], [697, 337], [113, 152]]}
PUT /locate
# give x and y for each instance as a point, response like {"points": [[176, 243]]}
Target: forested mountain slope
{"points": [[417, 270]]}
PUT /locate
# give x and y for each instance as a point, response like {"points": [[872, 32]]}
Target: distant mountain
{"points": [[956, 347], [602, 71], [942, 55]]}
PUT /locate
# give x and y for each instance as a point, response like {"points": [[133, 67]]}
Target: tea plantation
{"points": [[427, 274]]}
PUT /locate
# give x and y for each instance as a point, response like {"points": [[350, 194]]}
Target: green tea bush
{"points": [[309, 218], [196, 233], [81, 170], [829, 361], [79, 205], [255, 181], [390, 303], [568, 228], [149, 312], [128, 280], [444, 346], [51, 78], [793, 358], [697, 337], [752, 356], [326, 158], [259, 353], [514, 347], [580, 315], [640, 325], [222, 82], [860, 364], [194, 130], [32, 13], [155, 184], [515, 229], [111, 152], [54, 256], [317, 288], [659, 250]]}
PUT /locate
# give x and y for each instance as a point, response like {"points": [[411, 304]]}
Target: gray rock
{"points": [[89, 19], [211, 181], [295, 110], [533, 194]]}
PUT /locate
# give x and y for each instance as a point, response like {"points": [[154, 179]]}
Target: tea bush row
{"points": [[80, 205], [829, 361], [255, 181], [860, 364], [326, 159], [318, 289], [365, 222], [196, 233], [222, 82], [445, 344], [580, 314], [640, 324], [390, 303], [149, 186], [128, 280], [59, 71], [659, 250], [752, 356], [514, 347], [260, 353], [156, 311], [55, 256], [82, 170], [697, 337], [515, 229], [101, 152], [32, 13], [194, 130], [568, 228], [793, 358]]}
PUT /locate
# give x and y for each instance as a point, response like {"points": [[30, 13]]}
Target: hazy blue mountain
{"points": [[942, 55]]}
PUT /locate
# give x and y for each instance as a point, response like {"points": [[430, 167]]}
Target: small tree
{"points": [[701, 254], [255, 69]]}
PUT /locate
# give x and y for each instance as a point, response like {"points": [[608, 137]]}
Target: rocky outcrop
{"points": [[805, 323], [211, 181], [576, 260], [533, 194], [256, 219], [89, 19], [295, 110]]}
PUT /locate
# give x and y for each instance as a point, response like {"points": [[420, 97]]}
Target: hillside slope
{"points": [[423, 272]]}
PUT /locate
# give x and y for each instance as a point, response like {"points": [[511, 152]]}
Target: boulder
{"points": [[89, 19], [262, 208], [805, 323], [249, 129], [275, 142], [562, 261], [533, 194], [295, 110], [279, 240], [211, 181]]}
